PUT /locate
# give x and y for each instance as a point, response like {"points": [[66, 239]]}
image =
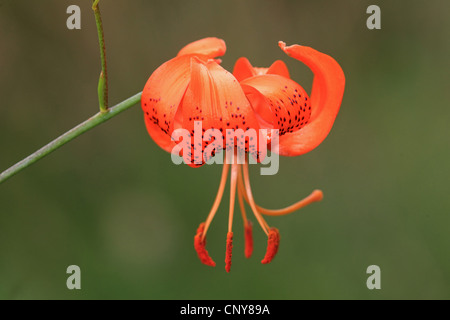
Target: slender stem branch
{"points": [[103, 80], [70, 135]]}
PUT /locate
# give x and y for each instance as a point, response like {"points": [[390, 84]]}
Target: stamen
{"points": [[219, 195], [248, 240], [234, 174], [251, 202], [315, 196], [200, 247], [247, 224], [272, 245], [228, 251], [241, 201]]}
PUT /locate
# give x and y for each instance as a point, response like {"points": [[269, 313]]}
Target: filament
{"points": [[251, 202], [316, 195], [248, 232], [234, 175], [218, 199]]}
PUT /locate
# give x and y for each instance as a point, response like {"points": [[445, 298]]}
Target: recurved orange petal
{"points": [[215, 98], [326, 96], [280, 68], [243, 69], [279, 101], [161, 98]]}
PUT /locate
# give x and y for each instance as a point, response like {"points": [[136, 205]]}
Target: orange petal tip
{"points": [[282, 44], [288, 49], [284, 47], [273, 243], [209, 47], [200, 247]]}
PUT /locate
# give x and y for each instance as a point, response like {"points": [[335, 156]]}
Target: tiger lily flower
{"points": [[193, 87]]}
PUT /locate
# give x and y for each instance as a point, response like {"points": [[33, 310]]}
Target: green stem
{"points": [[103, 80], [70, 135]]}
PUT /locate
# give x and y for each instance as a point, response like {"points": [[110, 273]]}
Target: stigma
{"points": [[240, 184]]}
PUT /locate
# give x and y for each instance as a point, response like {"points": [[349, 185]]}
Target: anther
{"points": [[200, 247], [248, 239], [228, 252], [273, 242]]}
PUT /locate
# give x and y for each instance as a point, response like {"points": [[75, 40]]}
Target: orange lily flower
{"points": [[194, 87]]}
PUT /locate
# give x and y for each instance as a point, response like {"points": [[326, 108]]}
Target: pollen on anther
{"points": [[273, 243], [229, 250], [200, 247]]}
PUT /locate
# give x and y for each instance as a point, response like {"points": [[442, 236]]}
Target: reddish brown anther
{"points": [[272, 245], [248, 239], [229, 250], [200, 247]]}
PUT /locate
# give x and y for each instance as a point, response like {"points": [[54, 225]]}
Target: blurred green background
{"points": [[113, 203]]}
